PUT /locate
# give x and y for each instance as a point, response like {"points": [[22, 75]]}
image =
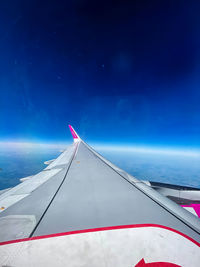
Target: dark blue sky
{"points": [[118, 71]]}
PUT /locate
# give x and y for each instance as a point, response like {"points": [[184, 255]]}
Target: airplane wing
{"points": [[82, 210]]}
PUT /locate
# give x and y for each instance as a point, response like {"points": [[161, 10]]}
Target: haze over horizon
{"points": [[18, 160], [107, 147]]}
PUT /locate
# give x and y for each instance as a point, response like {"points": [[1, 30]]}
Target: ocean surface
{"points": [[21, 160]]}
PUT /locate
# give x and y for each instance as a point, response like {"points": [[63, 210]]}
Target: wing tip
{"points": [[74, 134]]}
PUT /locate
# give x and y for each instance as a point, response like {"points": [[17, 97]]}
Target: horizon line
{"points": [[134, 148]]}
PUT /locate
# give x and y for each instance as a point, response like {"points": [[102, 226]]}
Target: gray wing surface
{"points": [[82, 190]]}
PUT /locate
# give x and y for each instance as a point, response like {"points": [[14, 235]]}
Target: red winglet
{"points": [[74, 134]]}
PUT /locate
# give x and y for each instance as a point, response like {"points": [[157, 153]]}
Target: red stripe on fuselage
{"points": [[99, 230]]}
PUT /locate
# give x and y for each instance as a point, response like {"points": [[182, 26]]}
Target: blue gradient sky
{"points": [[118, 71]]}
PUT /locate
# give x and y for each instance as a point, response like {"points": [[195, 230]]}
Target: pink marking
{"points": [[156, 264], [73, 132], [99, 230], [196, 208]]}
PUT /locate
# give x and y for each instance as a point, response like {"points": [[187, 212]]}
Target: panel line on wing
{"points": [[71, 160]]}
